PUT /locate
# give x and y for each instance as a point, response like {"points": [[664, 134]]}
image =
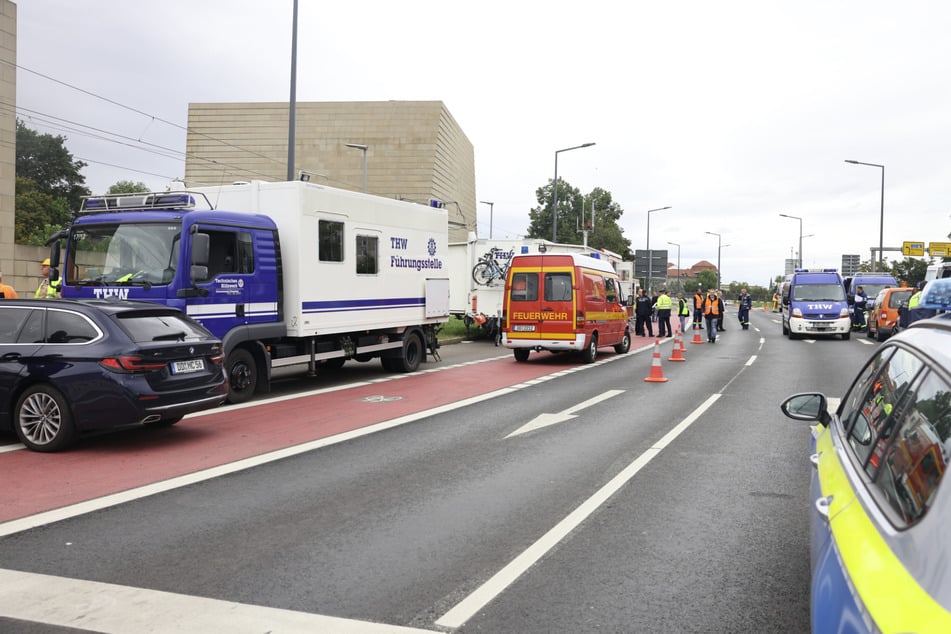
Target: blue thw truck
{"points": [[292, 276]]}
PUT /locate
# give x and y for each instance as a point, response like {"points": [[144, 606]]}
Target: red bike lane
{"points": [[111, 463]]}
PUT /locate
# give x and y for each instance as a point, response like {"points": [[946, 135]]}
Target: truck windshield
{"points": [[819, 292], [122, 254]]}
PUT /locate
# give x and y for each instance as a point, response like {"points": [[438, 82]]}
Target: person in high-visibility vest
{"points": [[664, 304], [6, 291], [698, 309], [712, 312], [914, 311], [683, 311], [47, 289]]}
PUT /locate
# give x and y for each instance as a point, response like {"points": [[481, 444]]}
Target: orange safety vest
{"points": [[698, 301], [711, 306]]}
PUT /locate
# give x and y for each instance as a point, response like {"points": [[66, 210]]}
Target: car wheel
{"points": [[870, 334], [846, 336], [42, 419], [625, 345], [785, 329], [590, 352], [881, 336], [242, 375], [521, 354]]}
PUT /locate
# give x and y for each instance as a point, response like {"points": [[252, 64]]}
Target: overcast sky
{"points": [[729, 112]]}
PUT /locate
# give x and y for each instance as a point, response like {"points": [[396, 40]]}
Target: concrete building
{"points": [[415, 150], [8, 137]]}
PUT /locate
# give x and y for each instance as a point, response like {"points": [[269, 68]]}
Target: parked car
{"points": [[68, 367], [883, 312], [880, 545]]}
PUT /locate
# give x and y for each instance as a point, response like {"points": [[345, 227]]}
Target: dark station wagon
{"points": [[68, 367]]}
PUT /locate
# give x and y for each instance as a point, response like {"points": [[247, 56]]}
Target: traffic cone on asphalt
{"points": [[696, 337], [683, 348], [657, 373], [678, 351]]}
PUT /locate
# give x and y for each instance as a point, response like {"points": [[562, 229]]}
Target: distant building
{"points": [[673, 273], [415, 150]]}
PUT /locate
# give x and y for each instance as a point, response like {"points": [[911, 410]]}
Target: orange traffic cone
{"points": [[678, 351], [683, 348], [657, 373], [696, 336]]}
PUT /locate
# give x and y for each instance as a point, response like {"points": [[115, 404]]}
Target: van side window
{"points": [[329, 241], [558, 287], [611, 289], [524, 287], [367, 250], [914, 463]]}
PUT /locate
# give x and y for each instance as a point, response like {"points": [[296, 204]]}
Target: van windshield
{"points": [[818, 292]]}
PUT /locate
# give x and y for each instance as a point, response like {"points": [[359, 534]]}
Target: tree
{"points": [[707, 279], [910, 270], [128, 187], [604, 232], [48, 185]]}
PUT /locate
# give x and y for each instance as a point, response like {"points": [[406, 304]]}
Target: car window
{"points": [[12, 320], [33, 330], [69, 327], [524, 287], [854, 399], [148, 326], [915, 461], [557, 287], [873, 423], [896, 298]]}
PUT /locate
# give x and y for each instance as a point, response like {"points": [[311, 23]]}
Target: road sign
{"points": [[913, 248], [939, 249]]}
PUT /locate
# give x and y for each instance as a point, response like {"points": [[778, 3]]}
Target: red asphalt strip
{"points": [[110, 463]]}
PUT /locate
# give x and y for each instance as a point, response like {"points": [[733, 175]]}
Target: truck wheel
{"points": [[242, 376], [521, 354], [413, 353], [846, 336], [42, 419], [590, 353], [625, 344]]}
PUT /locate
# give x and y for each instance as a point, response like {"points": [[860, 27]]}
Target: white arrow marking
{"points": [[545, 419]]}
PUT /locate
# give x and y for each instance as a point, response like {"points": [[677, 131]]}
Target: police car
{"points": [[880, 538]]}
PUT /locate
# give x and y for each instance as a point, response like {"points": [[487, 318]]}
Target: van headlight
{"points": [[797, 312], [844, 312]]}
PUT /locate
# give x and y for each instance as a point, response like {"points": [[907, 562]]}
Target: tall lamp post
{"points": [[491, 209], [881, 220], [358, 146], [719, 243], [798, 266], [680, 282], [554, 204], [650, 260]]}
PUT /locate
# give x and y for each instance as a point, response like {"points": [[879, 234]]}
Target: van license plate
{"points": [[524, 328], [184, 367]]}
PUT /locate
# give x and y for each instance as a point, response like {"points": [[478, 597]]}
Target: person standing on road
{"points": [[744, 305], [683, 312], [664, 304], [859, 304], [6, 291], [720, 320], [712, 313], [654, 306], [698, 309], [642, 314]]}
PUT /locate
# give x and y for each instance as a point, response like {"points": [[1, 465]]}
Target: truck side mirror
{"points": [[201, 247]]}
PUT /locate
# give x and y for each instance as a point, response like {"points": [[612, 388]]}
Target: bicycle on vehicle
{"points": [[488, 269]]}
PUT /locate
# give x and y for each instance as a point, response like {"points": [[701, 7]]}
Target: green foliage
{"points": [[707, 279], [127, 187], [48, 185], [603, 233], [910, 270]]}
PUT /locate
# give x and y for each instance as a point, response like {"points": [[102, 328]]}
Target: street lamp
{"points": [[491, 209], [680, 282], [554, 204], [719, 243], [650, 260], [800, 236], [881, 221], [358, 146]]}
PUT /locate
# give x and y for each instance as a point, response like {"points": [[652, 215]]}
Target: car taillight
{"points": [[130, 363], [579, 318], [218, 359]]}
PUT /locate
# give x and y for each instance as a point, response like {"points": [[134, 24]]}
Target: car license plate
{"points": [[524, 328], [184, 367]]}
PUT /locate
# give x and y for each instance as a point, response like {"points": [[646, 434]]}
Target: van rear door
{"points": [[541, 298]]}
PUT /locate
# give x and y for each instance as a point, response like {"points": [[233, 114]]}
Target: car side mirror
{"points": [[812, 406]]}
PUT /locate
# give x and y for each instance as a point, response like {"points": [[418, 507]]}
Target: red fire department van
{"points": [[560, 302]]}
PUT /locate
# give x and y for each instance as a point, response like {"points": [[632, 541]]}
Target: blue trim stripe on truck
{"points": [[347, 305]]}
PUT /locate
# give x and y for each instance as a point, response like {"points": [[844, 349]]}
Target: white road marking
{"points": [[751, 361], [545, 419], [867, 342], [115, 609], [468, 607]]}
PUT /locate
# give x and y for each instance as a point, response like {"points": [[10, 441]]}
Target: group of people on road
{"points": [[707, 308], [47, 288]]}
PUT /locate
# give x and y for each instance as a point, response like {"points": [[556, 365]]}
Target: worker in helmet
{"points": [[47, 289]]}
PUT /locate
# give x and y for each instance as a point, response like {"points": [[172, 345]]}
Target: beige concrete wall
{"points": [[415, 149], [8, 97]]}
